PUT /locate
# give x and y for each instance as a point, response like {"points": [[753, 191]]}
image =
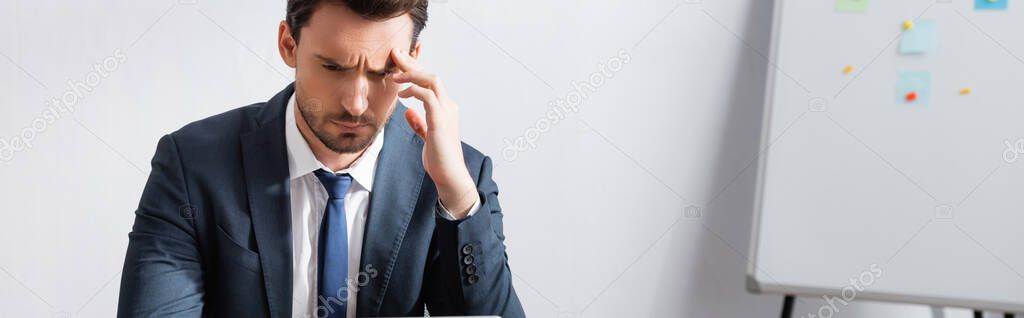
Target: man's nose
{"points": [[355, 101]]}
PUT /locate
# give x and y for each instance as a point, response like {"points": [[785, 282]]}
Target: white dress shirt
{"points": [[308, 202]]}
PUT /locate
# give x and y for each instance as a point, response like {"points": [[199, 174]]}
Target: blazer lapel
{"points": [[265, 160], [396, 187]]}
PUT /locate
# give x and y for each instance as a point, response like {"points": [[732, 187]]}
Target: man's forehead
{"points": [[336, 26]]}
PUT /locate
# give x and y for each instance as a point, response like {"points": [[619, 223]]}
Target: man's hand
{"points": [[442, 150]]}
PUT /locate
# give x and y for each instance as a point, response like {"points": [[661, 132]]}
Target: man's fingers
{"points": [[425, 86], [426, 96], [423, 79], [412, 73], [403, 61], [416, 122]]}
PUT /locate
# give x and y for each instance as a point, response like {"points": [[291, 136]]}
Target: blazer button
{"points": [[467, 260], [471, 269], [467, 249], [472, 279]]}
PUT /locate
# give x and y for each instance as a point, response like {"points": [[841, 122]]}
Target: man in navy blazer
{"points": [[332, 182]]}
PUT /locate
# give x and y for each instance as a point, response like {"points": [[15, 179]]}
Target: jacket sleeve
{"points": [[162, 275], [471, 276]]}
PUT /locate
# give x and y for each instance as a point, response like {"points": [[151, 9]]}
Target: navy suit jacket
{"points": [[212, 233]]}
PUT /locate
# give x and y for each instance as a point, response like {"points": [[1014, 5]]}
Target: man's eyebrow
{"points": [[390, 65], [328, 60]]}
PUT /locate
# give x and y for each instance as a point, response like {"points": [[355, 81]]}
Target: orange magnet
{"points": [[911, 97]]}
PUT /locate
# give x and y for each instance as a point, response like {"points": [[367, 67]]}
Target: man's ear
{"points": [[415, 52], [286, 44]]}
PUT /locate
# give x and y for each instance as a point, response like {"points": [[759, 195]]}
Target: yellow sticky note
{"points": [[966, 91], [909, 24], [848, 69]]}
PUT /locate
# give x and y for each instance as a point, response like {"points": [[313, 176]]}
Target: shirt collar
{"points": [[301, 160]]}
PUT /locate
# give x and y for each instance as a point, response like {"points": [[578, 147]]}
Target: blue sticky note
{"points": [[919, 83], [920, 39], [852, 5], [991, 4]]}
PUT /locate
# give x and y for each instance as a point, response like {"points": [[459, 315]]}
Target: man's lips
{"points": [[348, 125]]}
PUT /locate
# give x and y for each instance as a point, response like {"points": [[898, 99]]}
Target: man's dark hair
{"points": [[299, 12]]}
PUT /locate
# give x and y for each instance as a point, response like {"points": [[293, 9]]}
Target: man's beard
{"points": [[345, 142]]}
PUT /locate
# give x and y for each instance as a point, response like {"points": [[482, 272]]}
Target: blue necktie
{"points": [[332, 260]]}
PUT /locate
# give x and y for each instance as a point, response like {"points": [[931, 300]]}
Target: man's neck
{"points": [[333, 160]]}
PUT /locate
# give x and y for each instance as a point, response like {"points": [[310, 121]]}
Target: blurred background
{"points": [[635, 202]]}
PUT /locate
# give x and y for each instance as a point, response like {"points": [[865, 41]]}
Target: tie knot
{"points": [[335, 184]]}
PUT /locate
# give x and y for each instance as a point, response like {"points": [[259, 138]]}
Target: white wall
{"points": [[595, 213]]}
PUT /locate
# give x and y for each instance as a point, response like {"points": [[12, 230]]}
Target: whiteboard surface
{"points": [[866, 186]]}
